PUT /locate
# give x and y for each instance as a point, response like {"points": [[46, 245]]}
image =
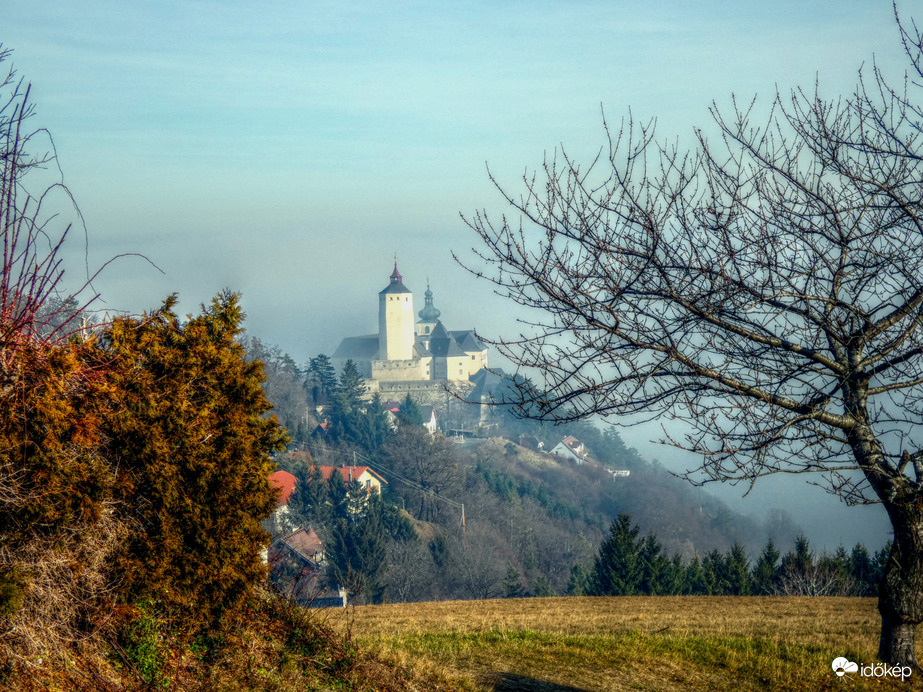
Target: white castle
{"points": [[408, 355]]}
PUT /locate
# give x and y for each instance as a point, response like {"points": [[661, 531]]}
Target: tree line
{"points": [[541, 520], [629, 564]]}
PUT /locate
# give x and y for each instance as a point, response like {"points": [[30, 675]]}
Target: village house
{"points": [[427, 413], [296, 569], [572, 448], [280, 521], [363, 475]]}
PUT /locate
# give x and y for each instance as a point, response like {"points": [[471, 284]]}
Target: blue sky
{"points": [[289, 149]]}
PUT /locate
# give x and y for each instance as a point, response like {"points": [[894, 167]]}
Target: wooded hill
{"points": [[526, 511]]}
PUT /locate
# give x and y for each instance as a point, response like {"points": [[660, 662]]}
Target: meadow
{"points": [[628, 643]]}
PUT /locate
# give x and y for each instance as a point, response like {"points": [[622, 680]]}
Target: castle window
{"points": [[427, 330]]}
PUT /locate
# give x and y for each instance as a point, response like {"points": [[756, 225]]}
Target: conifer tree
{"points": [[338, 495], [350, 389], [580, 582], [542, 587], [654, 567], [765, 576], [737, 570], [799, 562], [512, 583], [190, 446], [310, 500], [715, 568], [409, 412], [321, 379], [862, 571], [358, 550], [696, 581], [617, 569]]}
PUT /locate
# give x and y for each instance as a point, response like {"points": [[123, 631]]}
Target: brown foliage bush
{"points": [[56, 524]]}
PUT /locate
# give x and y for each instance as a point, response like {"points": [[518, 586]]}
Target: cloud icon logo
{"points": [[842, 665]]}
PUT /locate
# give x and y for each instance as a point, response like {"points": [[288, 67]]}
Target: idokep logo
{"points": [[842, 666]]}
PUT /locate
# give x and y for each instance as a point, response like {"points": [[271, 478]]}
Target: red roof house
{"points": [[286, 484]]}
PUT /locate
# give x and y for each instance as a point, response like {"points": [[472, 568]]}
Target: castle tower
{"points": [[429, 315], [395, 320]]}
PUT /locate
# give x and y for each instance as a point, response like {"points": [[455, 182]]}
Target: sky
{"points": [[290, 150]]}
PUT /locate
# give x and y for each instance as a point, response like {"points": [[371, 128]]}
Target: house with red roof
{"points": [[285, 482], [363, 475], [279, 521]]}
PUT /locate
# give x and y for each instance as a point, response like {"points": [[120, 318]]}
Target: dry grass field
{"points": [[628, 643]]}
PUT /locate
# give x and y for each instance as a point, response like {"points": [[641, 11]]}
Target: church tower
{"points": [[429, 315], [395, 320]]}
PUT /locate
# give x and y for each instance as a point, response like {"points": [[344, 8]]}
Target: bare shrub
{"points": [[67, 598]]}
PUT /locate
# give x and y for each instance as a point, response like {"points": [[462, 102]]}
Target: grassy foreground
{"points": [[629, 643]]}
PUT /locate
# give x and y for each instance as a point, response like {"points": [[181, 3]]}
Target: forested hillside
{"points": [[533, 521]]}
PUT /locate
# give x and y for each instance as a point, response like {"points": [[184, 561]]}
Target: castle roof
{"points": [[467, 340], [396, 285], [489, 385], [358, 347], [441, 344]]}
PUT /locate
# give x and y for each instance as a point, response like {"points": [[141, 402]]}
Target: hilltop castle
{"points": [[412, 357]]}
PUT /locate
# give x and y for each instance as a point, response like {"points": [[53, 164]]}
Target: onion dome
{"points": [[428, 313]]}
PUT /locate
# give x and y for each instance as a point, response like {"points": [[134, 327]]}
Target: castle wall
{"points": [[476, 360], [401, 370], [451, 368], [446, 398]]}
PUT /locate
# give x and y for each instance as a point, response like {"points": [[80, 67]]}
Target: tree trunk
{"points": [[900, 593]]}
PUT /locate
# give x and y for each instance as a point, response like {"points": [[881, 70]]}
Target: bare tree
{"points": [[31, 271], [430, 464], [765, 288]]}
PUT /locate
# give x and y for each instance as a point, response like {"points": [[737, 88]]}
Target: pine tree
{"points": [[358, 550], [765, 575], [321, 379], [737, 571], [512, 583], [310, 500], [617, 570], [862, 571], [409, 413], [654, 567], [338, 495], [542, 587], [798, 565], [350, 389], [674, 575], [696, 581], [715, 568], [580, 582]]}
